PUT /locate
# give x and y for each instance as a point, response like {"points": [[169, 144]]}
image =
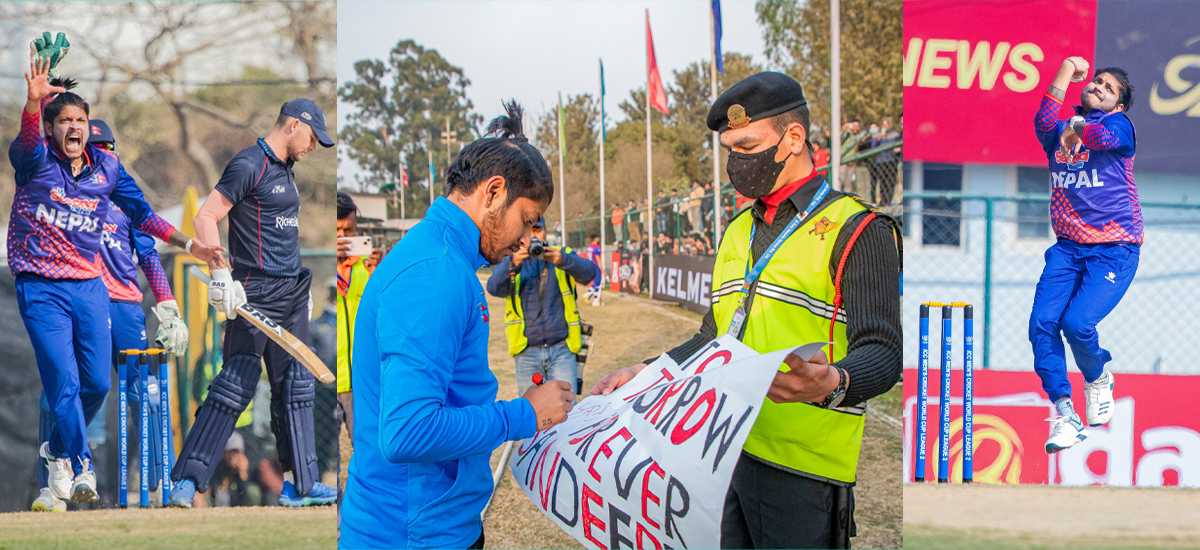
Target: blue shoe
{"points": [[319, 495], [182, 494]]}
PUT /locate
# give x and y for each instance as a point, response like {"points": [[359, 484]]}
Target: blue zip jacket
{"points": [[548, 328], [426, 415]]}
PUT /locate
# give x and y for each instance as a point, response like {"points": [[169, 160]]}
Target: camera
{"points": [[536, 248]]}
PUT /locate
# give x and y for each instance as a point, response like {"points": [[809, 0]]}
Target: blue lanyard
{"points": [[761, 264]]}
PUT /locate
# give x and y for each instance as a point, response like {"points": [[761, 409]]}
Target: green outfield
{"points": [[258, 528]]}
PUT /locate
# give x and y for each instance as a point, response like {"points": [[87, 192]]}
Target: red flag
{"points": [[658, 96], [404, 177]]}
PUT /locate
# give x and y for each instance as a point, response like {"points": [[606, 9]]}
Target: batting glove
{"points": [[55, 50], [172, 332], [225, 294]]}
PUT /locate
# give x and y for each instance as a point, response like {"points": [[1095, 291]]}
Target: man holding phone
{"points": [[356, 261]]}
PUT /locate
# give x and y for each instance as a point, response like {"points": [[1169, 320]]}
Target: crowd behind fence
{"points": [[989, 250], [684, 220]]}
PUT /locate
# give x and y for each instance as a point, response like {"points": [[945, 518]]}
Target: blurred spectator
{"points": [[231, 483], [695, 223], [674, 222], [660, 212], [706, 205], [322, 335], [635, 229], [884, 165], [618, 222]]}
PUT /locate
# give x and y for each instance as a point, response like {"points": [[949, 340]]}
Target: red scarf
{"points": [[775, 199]]}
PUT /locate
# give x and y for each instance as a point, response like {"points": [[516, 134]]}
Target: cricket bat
{"points": [[285, 339]]}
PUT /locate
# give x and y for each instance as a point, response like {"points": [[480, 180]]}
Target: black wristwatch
{"points": [[835, 397]]}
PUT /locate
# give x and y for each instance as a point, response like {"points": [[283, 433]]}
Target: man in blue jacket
{"points": [[427, 419], [541, 317]]}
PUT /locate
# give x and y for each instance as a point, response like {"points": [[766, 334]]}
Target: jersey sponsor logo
{"points": [[1066, 180], [281, 222], [1073, 161], [110, 228], [278, 189], [80, 206]]}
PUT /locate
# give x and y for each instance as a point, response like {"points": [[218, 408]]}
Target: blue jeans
{"points": [[553, 362], [1079, 287]]}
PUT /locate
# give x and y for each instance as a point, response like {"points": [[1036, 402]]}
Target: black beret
{"points": [[761, 96]]}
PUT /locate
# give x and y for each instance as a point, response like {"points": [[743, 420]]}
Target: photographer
{"points": [[542, 319]]}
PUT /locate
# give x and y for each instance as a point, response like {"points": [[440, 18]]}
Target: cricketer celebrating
{"points": [[1096, 215], [258, 193], [124, 250], [63, 190]]}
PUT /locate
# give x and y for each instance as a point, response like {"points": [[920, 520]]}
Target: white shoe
{"points": [[47, 502], [85, 485], [62, 475], [1099, 400], [1065, 432]]}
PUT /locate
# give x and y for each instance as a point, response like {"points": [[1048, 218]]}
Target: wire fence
{"points": [[989, 250]]}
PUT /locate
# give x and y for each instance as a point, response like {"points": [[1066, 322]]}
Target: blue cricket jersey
{"points": [[1093, 196], [425, 411]]}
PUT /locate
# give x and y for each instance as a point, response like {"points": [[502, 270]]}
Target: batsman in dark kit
{"points": [[258, 193]]}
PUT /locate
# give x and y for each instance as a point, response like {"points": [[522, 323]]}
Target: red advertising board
{"points": [[975, 72], [1152, 440]]}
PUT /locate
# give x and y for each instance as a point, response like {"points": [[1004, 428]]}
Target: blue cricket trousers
{"points": [[1079, 287]]}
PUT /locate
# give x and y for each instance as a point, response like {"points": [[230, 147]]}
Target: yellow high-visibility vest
{"points": [[793, 305], [514, 318]]}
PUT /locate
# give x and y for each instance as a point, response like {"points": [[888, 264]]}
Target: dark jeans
{"points": [[767, 507]]}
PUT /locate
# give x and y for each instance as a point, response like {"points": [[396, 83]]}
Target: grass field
{"points": [[992, 517], [628, 330], [258, 528]]}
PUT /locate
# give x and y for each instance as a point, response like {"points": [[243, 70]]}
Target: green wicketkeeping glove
{"points": [[54, 51]]}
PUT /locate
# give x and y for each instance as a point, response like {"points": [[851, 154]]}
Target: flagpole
{"points": [[716, 136], [562, 184], [602, 203], [649, 165], [835, 87]]}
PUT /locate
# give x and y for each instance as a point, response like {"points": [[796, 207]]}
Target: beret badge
{"points": [[737, 116]]}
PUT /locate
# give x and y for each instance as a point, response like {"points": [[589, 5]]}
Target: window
{"points": [[941, 219], [1033, 217]]}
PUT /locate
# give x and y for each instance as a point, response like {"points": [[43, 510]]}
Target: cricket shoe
{"points": [[62, 475], [182, 494], [1099, 400], [47, 502], [84, 490], [1065, 432], [319, 495]]}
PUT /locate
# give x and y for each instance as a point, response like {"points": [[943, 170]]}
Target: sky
{"points": [[532, 50]]}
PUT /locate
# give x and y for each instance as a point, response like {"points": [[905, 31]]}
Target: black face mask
{"points": [[754, 174]]}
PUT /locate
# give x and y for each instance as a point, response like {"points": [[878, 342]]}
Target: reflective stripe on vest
{"points": [[793, 305], [514, 318]]}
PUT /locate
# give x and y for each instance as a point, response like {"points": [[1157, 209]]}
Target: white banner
{"points": [[648, 465]]}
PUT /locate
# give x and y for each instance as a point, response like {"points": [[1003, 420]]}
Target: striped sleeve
{"points": [[1113, 133], [151, 265], [26, 152]]}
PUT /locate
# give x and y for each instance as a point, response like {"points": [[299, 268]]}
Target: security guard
{"points": [[542, 319], [805, 263]]}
